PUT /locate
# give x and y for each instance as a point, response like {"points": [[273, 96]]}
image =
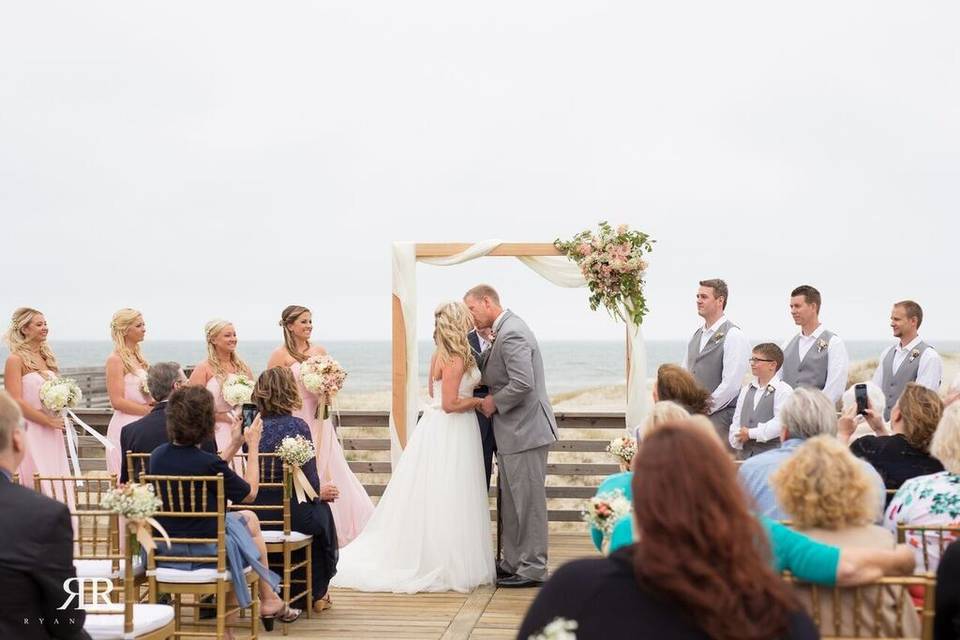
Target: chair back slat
{"points": [[96, 531], [880, 609], [273, 476], [137, 465], [928, 536]]}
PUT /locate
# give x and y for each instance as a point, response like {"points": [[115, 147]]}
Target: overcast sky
{"points": [[202, 159]]}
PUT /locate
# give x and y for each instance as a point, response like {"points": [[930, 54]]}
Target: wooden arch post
{"points": [[400, 355]]}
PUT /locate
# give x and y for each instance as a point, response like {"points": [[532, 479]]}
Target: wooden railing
{"points": [[576, 465], [92, 381]]}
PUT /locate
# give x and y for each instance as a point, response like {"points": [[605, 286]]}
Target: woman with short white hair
{"points": [[933, 499]]}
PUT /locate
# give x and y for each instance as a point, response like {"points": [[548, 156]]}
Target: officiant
{"points": [[480, 340]]}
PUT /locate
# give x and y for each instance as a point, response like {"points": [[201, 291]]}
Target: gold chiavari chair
{"points": [[283, 541], [15, 478], [138, 464], [96, 531], [927, 539], [187, 497], [880, 609]]}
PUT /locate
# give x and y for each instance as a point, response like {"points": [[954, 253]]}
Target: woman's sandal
{"points": [[322, 604], [286, 615]]}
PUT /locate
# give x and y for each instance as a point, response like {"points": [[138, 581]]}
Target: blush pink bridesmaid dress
{"points": [[133, 393], [222, 429], [46, 447], [353, 508]]}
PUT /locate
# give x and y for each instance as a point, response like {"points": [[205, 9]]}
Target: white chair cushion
{"points": [[103, 568], [191, 577], [109, 626], [273, 537]]}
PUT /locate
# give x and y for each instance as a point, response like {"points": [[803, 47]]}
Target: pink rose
{"points": [[622, 229], [585, 249]]}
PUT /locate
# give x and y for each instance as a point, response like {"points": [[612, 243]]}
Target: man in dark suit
{"points": [[479, 342], [150, 431], [36, 554]]}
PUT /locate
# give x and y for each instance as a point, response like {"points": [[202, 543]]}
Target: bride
{"points": [[431, 529]]}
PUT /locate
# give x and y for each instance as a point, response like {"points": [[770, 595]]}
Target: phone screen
{"points": [[860, 393], [249, 413]]}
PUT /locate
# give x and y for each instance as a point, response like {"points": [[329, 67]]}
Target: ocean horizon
{"points": [[569, 365]]}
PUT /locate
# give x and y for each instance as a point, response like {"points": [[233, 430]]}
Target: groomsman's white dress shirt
{"points": [[931, 365], [736, 354], [838, 362]]}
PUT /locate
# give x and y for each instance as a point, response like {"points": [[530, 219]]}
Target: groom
{"points": [[525, 427]]}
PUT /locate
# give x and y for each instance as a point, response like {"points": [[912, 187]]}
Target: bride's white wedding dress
{"points": [[431, 529]]}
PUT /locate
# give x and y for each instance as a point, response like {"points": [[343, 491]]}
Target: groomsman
{"points": [[756, 422], [815, 357], [717, 354], [480, 342], [910, 360]]}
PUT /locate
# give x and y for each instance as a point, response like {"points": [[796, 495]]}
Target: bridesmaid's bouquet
{"points": [[623, 448], [323, 376], [237, 389], [604, 510], [296, 451], [144, 387], [138, 504], [57, 394]]}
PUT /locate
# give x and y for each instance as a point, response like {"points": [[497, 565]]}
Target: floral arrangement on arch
{"points": [[612, 262]]}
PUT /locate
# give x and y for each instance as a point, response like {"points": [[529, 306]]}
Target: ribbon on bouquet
{"points": [[302, 486], [141, 528], [69, 418]]}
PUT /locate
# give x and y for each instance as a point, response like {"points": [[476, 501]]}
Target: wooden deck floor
{"points": [[484, 614]]}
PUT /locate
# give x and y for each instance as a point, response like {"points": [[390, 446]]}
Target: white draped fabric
{"points": [[559, 270]]}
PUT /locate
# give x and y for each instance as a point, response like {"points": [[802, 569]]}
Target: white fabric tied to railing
{"points": [[69, 417], [559, 270]]}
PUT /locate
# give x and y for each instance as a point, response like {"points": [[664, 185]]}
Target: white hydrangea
{"points": [[323, 376], [58, 394], [237, 389]]}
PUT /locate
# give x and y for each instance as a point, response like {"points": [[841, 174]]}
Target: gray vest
{"points": [[707, 365], [812, 370], [751, 418], [895, 383]]}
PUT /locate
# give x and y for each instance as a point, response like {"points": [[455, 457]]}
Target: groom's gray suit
{"points": [[524, 427]]}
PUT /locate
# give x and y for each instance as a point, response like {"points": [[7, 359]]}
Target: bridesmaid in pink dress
{"points": [[30, 363], [221, 361], [353, 508], [126, 378]]}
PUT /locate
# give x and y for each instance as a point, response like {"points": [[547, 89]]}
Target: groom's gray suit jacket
{"points": [[513, 370]]}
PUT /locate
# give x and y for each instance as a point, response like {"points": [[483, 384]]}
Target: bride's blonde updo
{"points": [[453, 322], [119, 325], [39, 360]]}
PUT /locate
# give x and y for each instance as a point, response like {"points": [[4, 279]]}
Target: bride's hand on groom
{"points": [[329, 492], [487, 406]]}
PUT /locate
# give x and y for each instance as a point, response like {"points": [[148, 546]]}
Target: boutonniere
{"points": [[718, 336], [914, 354], [821, 345], [771, 388]]}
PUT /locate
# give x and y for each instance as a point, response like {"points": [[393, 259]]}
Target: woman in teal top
{"points": [[808, 560]]}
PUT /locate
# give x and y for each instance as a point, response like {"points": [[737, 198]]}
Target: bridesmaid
{"points": [[221, 361], [126, 373], [30, 363], [353, 508]]}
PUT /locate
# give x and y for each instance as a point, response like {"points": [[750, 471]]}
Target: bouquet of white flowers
{"points": [[623, 448], [138, 504], [58, 394], [237, 389], [559, 629], [296, 451], [323, 376], [144, 387], [604, 510]]}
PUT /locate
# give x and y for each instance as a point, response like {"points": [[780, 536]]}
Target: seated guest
{"points": [[828, 497], [277, 398], [906, 453], [934, 499], [869, 423], [149, 432], [808, 560], [697, 539], [677, 384], [946, 622], [806, 414], [36, 557], [663, 412], [190, 421], [756, 420]]}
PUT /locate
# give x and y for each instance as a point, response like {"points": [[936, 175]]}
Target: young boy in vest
{"points": [[756, 423]]}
